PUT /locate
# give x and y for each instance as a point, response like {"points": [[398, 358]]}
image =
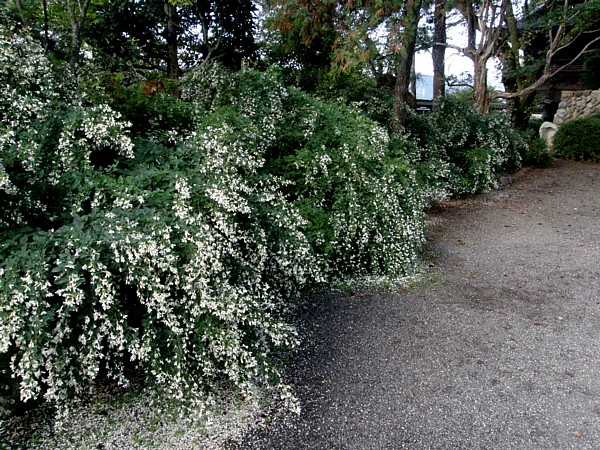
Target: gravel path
{"points": [[497, 348]]}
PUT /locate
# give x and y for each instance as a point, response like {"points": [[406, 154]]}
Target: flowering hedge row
{"points": [[179, 256], [458, 151], [177, 250]]}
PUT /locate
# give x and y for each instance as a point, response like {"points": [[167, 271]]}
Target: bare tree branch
{"points": [[546, 75]]}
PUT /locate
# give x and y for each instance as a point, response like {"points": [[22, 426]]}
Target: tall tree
{"points": [[439, 48], [171, 33], [494, 30], [358, 29], [410, 16], [484, 27], [553, 36], [166, 35]]}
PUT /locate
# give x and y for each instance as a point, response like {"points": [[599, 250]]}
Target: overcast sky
{"points": [[456, 64]]}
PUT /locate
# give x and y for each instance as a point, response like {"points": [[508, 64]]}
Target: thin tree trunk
{"points": [[77, 21], [171, 38], [512, 76], [401, 90], [481, 100], [410, 23], [46, 28], [413, 79], [439, 51]]}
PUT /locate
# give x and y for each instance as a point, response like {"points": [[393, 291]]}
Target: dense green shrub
{"points": [[361, 203], [459, 150], [579, 139], [178, 256], [535, 152], [171, 235], [177, 251]]}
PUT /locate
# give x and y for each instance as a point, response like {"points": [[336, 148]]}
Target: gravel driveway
{"points": [[498, 347]]}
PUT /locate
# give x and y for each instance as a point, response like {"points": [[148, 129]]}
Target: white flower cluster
{"points": [[27, 90], [87, 130], [185, 270], [365, 207], [46, 135], [464, 151]]}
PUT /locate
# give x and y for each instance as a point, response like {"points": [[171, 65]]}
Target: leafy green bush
{"points": [[535, 152], [178, 251], [361, 203], [178, 256], [579, 139], [459, 151]]}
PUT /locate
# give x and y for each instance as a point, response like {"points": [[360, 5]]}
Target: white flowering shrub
{"points": [[361, 204], [184, 271], [458, 151], [49, 138], [178, 256]]}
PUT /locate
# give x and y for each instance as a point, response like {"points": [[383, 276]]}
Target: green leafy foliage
{"points": [[361, 203], [579, 139], [460, 151], [179, 256], [169, 232], [536, 153], [179, 251]]}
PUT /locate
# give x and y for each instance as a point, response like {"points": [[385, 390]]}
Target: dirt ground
{"points": [[497, 347]]}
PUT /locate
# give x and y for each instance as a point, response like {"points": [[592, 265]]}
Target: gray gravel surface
{"points": [[497, 347]]}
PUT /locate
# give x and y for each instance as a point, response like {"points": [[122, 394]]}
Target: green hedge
{"points": [[177, 247], [175, 253], [179, 251], [457, 150], [360, 200], [579, 139]]}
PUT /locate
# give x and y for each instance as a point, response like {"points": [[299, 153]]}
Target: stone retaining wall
{"points": [[575, 104]]}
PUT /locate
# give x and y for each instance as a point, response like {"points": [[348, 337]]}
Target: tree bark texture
{"points": [[408, 39], [171, 34], [482, 99], [439, 50]]}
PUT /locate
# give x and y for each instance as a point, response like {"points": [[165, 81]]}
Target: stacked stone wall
{"points": [[576, 104]]}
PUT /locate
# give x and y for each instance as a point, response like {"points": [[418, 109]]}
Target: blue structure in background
{"points": [[424, 87]]}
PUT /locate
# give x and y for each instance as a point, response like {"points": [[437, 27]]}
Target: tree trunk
{"points": [[512, 76], [401, 90], [481, 100], [410, 21], [171, 38], [439, 51], [519, 113], [471, 26], [77, 19], [413, 78]]}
